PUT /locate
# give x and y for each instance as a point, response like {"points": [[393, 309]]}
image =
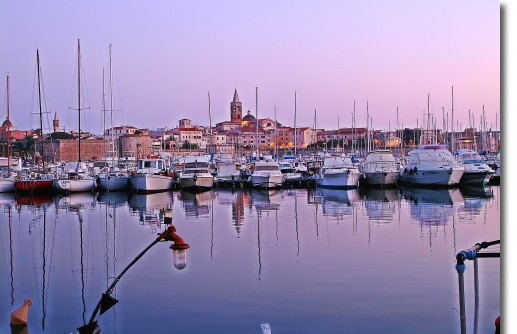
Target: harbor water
{"points": [[301, 260]]}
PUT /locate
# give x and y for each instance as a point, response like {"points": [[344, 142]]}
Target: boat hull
{"points": [[113, 183], [266, 181], [338, 180], [7, 185], [381, 179], [473, 178], [148, 183], [26, 186], [196, 183], [431, 177], [74, 185]]}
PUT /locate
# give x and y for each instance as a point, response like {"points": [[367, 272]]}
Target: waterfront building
{"points": [[68, 149], [7, 125], [134, 145]]}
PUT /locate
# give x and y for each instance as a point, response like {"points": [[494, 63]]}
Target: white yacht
{"points": [[433, 166], [151, 176], [380, 169], [476, 170], [338, 172], [75, 178], [266, 174], [196, 174]]}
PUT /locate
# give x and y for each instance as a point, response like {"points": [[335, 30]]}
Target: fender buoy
{"points": [[21, 315]]}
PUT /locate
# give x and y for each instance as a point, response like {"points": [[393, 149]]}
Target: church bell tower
{"points": [[235, 108]]}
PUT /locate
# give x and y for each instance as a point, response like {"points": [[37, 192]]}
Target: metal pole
{"points": [[463, 316], [476, 296]]}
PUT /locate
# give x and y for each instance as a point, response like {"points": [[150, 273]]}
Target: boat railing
{"points": [[474, 254]]}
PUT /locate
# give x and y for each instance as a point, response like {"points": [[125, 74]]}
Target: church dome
{"points": [[7, 123], [248, 117]]}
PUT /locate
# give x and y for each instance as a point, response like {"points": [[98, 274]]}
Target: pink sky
{"points": [[167, 55]]}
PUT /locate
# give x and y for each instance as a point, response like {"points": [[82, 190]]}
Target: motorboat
{"points": [[151, 176], [289, 171], [380, 169], [338, 172], [266, 174], [431, 166], [228, 169], [196, 174], [476, 170]]}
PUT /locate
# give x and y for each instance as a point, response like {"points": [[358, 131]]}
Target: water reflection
{"points": [[7, 198], [433, 207], [75, 201], [237, 200], [35, 200], [267, 200], [150, 207], [196, 204], [381, 204], [113, 198], [337, 203], [74, 243], [477, 191]]}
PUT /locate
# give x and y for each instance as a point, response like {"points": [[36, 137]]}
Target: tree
{"points": [[189, 146], [61, 135]]}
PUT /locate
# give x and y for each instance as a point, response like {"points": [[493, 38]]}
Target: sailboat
{"points": [[113, 179], [8, 180], [76, 178], [36, 181], [266, 173]]}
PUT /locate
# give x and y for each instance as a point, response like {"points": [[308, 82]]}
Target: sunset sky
{"points": [[167, 55]]}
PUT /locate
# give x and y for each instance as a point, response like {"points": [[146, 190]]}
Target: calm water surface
{"points": [[304, 261]]}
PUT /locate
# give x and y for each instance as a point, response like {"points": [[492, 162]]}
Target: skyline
{"points": [[167, 56]]}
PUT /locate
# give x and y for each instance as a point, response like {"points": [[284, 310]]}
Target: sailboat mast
{"points": [[40, 112], [8, 129], [428, 118], [452, 120], [256, 121], [79, 93], [367, 129], [104, 136], [314, 130], [112, 137], [352, 146], [276, 137], [295, 125], [210, 123]]}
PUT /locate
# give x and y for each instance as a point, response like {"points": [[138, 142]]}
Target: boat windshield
{"points": [[432, 158], [158, 164], [197, 164], [195, 171], [471, 158]]}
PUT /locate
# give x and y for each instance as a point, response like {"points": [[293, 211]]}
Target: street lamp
{"points": [[179, 256]]}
